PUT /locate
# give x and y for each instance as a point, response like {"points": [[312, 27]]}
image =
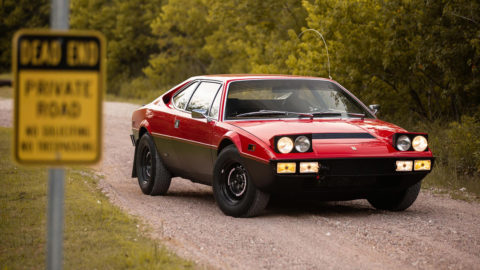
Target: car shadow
{"points": [[203, 196], [292, 206], [296, 206]]}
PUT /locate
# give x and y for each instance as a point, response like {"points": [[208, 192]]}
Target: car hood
{"points": [[267, 129]]}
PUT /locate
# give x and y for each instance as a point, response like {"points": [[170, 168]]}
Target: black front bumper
{"points": [[337, 179]]}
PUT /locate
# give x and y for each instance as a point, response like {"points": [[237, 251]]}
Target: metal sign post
{"points": [[56, 176], [56, 190]]}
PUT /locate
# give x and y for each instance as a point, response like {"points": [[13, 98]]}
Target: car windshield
{"points": [[290, 98]]}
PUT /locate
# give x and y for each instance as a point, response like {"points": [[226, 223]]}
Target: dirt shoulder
{"points": [[435, 233]]}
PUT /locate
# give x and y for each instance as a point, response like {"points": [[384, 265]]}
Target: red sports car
{"points": [[250, 136]]}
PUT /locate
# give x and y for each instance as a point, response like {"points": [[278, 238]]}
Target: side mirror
{"points": [[374, 108], [200, 114]]}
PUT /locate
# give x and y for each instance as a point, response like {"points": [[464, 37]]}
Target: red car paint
{"points": [[159, 117]]}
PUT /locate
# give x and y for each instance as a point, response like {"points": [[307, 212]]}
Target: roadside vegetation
{"points": [[97, 234], [5, 90], [420, 60]]}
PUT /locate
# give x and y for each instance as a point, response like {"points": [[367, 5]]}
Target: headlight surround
{"points": [[285, 145], [419, 143], [403, 143], [302, 144]]}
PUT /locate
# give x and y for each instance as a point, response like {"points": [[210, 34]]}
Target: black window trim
{"points": [[219, 92], [196, 88], [183, 89]]}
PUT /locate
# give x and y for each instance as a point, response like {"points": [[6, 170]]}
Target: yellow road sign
{"points": [[59, 79]]}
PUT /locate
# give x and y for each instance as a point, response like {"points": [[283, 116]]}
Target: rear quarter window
{"points": [[181, 99]]}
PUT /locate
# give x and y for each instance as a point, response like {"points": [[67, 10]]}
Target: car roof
{"points": [[229, 77]]}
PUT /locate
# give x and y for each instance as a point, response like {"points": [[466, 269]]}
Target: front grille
{"points": [[364, 166]]}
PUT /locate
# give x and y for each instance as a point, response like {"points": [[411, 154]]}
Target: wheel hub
{"points": [[147, 165], [237, 180]]}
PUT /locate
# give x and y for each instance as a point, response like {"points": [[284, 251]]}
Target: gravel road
{"points": [[435, 233]]}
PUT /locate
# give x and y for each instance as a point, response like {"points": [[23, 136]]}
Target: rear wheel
{"points": [[234, 191], [153, 177], [396, 201]]}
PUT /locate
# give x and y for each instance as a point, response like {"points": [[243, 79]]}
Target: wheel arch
{"points": [[224, 143], [254, 163], [141, 131]]}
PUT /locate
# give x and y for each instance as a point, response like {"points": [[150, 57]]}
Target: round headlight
{"points": [[403, 143], [419, 143], [285, 145], [302, 144]]}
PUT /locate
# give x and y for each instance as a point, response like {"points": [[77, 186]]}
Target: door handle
{"points": [[177, 123]]}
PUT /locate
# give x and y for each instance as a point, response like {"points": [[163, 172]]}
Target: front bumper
{"points": [[339, 177]]}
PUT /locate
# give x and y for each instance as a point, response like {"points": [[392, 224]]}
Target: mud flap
{"points": [[134, 167]]}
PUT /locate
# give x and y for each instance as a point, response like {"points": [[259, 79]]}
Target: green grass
{"points": [[6, 76], [446, 180], [6, 92], [97, 234]]}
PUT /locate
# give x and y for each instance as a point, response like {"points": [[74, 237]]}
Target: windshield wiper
{"points": [[269, 112], [335, 113], [326, 113], [360, 115]]}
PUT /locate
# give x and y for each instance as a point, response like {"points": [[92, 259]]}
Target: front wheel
{"points": [[233, 189], [153, 177], [396, 201]]}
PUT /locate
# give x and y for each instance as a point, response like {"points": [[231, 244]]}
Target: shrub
{"points": [[140, 89], [463, 139]]}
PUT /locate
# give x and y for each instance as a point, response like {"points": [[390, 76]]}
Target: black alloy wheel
{"points": [[146, 165], [234, 184]]}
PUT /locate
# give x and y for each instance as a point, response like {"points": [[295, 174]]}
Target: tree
{"points": [[126, 25], [180, 30], [15, 15], [413, 56]]}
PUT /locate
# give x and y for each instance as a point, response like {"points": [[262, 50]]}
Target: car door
{"points": [[194, 149], [162, 123]]}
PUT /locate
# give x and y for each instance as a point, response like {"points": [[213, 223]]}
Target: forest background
{"points": [[418, 59]]}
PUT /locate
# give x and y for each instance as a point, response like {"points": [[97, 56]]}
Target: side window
{"points": [[203, 96], [180, 100], [215, 106]]}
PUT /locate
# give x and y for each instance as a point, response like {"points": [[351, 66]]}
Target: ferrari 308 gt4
{"points": [[250, 136]]}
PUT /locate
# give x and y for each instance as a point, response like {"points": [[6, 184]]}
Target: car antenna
{"points": [[324, 42]]}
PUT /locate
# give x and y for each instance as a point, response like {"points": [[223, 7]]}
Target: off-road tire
{"points": [[153, 177], [396, 201], [236, 200]]}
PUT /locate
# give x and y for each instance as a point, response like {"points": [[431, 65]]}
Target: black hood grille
{"points": [[321, 136]]}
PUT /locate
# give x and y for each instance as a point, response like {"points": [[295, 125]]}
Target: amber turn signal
{"points": [[284, 167], [423, 165]]}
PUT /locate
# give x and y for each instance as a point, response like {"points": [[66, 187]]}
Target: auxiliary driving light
{"points": [[423, 165], [308, 167], [286, 167], [404, 165]]}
